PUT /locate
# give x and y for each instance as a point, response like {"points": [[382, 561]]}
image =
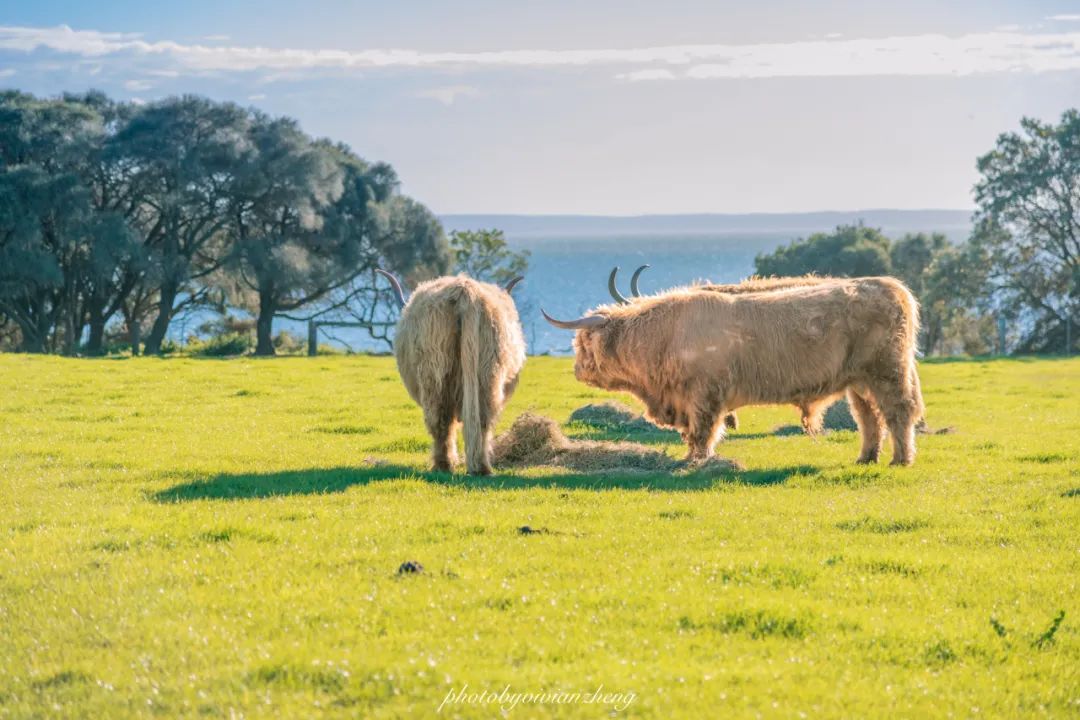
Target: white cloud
{"points": [[990, 52], [1066, 18], [651, 74], [257, 96], [216, 38], [137, 85], [7, 72], [449, 93]]}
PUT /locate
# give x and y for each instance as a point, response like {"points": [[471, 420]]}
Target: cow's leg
{"points": [[871, 425], [901, 407], [704, 430], [813, 412], [916, 388], [478, 440], [441, 424]]}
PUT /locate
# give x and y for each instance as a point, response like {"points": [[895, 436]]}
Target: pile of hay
{"points": [[611, 415], [537, 440]]}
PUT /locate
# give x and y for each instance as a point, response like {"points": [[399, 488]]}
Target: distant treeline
{"points": [[117, 217], [1014, 284]]}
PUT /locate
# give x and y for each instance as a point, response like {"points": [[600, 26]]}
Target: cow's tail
{"points": [[910, 330], [477, 371]]}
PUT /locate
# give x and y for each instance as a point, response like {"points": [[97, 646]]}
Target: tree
{"points": [[954, 305], [911, 257], [1029, 198], [849, 251], [120, 254], [283, 184], [484, 255], [51, 243], [404, 238], [184, 152]]}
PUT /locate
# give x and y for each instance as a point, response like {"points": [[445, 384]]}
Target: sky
{"points": [[597, 107]]}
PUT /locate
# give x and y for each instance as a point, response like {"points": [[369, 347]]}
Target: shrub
{"points": [[286, 343], [222, 345]]}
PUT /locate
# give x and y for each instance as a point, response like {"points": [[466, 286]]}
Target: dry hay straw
{"points": [[536, 440]]}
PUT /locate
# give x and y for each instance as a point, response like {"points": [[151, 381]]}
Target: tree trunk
{"points": [[95, 343], [156, 337], [32, 341], [264, 340], [34, 329], [133, 332]]}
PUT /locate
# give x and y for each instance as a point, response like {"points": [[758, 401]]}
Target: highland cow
{"points": [[459, 351], [812, 413], [692, 356]]}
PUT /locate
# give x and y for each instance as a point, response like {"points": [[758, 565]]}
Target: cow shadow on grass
{"points": [[320, 481]]}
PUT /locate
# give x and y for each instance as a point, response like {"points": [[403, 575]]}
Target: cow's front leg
{"points": [[705, 429]]}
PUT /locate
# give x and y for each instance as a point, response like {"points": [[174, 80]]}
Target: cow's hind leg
{"points": [[871, 426], [442, 425], [902, 409]]}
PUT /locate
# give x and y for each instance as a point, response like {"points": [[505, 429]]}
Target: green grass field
{"points": [[219, 538]]}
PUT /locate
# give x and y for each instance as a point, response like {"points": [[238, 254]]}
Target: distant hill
{"points": [[952, 222]]}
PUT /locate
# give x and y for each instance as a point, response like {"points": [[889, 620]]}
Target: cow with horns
{"points": [[812, 413], [459, 350], [692, 356]]}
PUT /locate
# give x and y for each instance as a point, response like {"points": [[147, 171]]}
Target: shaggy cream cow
{"points": [[459, 350], [692, 356]]}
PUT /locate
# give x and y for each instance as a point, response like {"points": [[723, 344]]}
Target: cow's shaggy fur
{"points": [[812, 413], [459, 350], [692, 356]]}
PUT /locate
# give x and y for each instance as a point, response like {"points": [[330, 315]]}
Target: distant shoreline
{"points": [[699, 223]]}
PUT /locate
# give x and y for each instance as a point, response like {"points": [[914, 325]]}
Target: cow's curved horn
{"points": [[509, 287], [633, 281], [580, 324], [397, 286], [613, 288]]}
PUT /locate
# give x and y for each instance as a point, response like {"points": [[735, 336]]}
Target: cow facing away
{"points": [[692, 356], [459, 350]]}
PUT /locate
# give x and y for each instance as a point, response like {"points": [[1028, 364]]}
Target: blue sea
{"points": [[568, 274]]}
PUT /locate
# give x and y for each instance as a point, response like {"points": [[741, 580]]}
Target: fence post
{"points": [[312, 338], [1001, 334]]}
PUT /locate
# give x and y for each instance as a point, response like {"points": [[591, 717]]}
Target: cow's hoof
{"points": [[901, 462], [480, 472], [442, 466], [866, 460]]}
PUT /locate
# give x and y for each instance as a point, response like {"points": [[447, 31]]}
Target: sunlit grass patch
{"points": [[170, 548]]}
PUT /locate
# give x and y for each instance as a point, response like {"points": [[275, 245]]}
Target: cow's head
{"points": [[596, 350]]}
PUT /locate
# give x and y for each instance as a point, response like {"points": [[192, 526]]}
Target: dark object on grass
{"points": [[1048, 637], [838, 417], [410, 567], [611, 415], [614, 416]]}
